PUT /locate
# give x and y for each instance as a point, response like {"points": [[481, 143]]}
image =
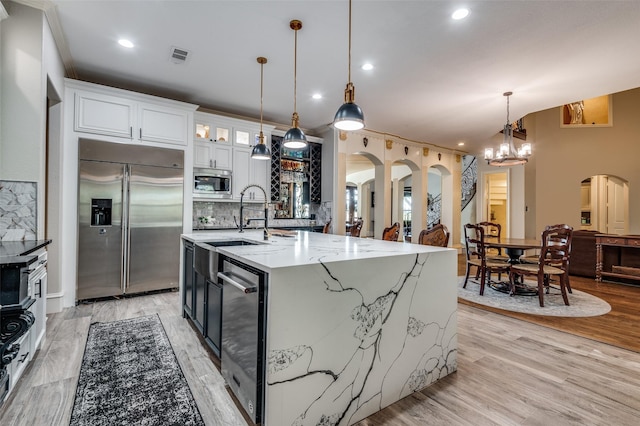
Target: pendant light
{"points": [[261, 150], [349, 115], [506, 154], [295, 138]]}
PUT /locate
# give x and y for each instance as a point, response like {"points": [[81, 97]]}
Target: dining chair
{"points": [[474, 240], [327, 227], [493, 231], [552, 261], [391, 233], [354, 231], [436, 236]]}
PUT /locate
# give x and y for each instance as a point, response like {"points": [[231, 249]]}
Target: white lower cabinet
{"points": [[20, 362]]}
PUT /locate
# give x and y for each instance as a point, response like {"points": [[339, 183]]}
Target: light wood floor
{"points": [[620, 327], [510, 372]]}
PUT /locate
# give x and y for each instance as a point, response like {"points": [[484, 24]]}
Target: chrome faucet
{"points": [[266, 210]]}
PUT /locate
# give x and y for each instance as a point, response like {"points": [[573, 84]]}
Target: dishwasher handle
{"points": [[236, 284]]}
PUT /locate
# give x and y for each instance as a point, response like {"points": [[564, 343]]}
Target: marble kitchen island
{"points": [[352, 324]]}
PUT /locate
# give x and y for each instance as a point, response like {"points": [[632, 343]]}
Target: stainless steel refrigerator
{"points": [[130, 218]]}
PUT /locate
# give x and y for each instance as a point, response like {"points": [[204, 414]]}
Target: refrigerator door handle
{"points": [[125, 227]]}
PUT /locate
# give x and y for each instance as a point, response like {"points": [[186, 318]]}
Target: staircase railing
{"points": [[469, 182]]}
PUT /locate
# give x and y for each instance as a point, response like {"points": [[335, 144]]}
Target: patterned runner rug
{"points": [[581, 304], [130, 376]]}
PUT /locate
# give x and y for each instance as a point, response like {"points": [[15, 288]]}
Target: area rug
{"points": [[130, 376], [581, 304]]}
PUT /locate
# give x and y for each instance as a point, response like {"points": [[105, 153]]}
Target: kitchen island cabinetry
{"points": [[377, 318], [188, 278], [201, 300], [212, 334]]}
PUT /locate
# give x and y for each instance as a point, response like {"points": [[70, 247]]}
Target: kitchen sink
{"points": [[205, 259], [228, 243]]}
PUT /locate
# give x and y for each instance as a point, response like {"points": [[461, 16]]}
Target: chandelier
{"points": [[506, 154]]}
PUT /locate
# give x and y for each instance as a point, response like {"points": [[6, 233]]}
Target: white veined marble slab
{"points": [[346, 339], [307, 248]]}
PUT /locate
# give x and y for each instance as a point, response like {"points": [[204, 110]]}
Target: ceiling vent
{"points": [[178, 55]]}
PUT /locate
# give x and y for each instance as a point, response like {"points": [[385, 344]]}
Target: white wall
{"points": [[52, 80], [31, 69], [22, 132]]}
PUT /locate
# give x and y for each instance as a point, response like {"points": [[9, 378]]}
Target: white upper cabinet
{"points": [[212, 142], [241, 163], [212, 155], [104, 115], [161, 124], [247, 171], [140, 118]]}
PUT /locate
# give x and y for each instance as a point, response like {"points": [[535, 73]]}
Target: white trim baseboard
{"points": [[55, 302]]}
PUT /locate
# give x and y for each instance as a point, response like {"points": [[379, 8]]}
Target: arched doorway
{"points": [[360, 192], [604, 205]]}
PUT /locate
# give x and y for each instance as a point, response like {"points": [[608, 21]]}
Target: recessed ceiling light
{"points": [[367, 67], [460, 14], [125, 43], [460, 143], [316, 96]]}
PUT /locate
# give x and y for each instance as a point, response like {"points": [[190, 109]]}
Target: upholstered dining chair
{"points": [[436, 236], [391, 233], [474, 240], [327, 227], [553, 261], [354, 231]]}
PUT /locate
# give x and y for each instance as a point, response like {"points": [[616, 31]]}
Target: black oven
{"points": [[211, 184], [14, 280]]}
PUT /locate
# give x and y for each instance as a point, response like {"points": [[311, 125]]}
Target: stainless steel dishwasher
{"points": [[243, 331]]}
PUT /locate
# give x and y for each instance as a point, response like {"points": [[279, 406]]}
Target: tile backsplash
{"points": [[221, 215], [18, 213]]}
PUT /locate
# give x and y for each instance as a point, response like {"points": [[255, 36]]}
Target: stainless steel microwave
{"points": [[211, 184]]}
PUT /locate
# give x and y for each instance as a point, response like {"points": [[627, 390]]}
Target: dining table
{"points": [[514, 248]]}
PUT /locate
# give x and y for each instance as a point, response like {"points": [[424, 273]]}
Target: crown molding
{"points": [[51, 13]]}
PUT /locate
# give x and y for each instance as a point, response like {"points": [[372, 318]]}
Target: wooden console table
{"points": [[620, 266]]}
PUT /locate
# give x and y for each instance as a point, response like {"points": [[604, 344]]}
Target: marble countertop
{"points": [[18, 251], [305, 248]]}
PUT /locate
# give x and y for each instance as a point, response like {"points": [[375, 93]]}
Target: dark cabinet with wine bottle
{"points": [[295, 178]]}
